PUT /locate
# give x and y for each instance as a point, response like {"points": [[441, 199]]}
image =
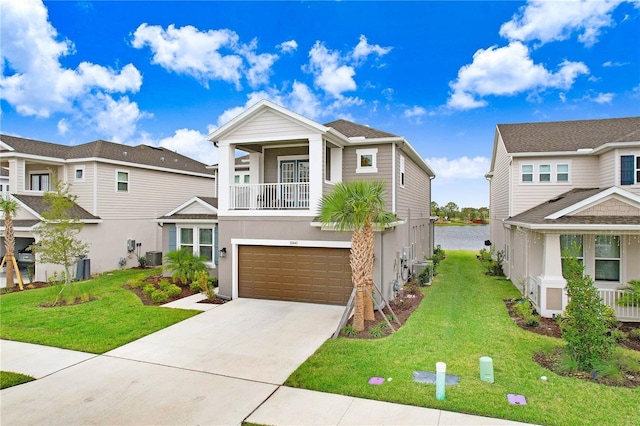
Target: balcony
{"points": [[269, 196]]}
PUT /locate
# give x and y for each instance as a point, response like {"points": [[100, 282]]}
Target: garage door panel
{"points": [[305, 274]]}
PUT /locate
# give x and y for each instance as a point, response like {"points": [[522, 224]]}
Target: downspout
{"points": [[393, 178]]}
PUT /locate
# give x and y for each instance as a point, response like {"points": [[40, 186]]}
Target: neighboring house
{"points": [[120, 190], [271, 243], [567, 185]]}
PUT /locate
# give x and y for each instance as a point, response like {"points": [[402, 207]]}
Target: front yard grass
{"points": [[9, 378], [116, 317], [463, 317]]}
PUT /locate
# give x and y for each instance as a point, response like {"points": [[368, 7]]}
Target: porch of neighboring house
{"points": [[610, 259]]}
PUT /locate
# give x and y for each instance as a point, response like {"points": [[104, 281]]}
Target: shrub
{"points": [[375, 331], [631, 296], [172, 290], [527, 312], [164, 284], [584, 324], [349, 331], [136, 283], [142, 261], [426, 276], [158, 296], [195, 286], [149, 289], [619, 336], [206, 284], [635, 334]]}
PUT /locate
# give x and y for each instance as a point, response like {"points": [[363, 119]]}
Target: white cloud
{"points": [[187, 50], [330, 74], [459, 168], [363, 49], [288, 46], [33, 81], [507, 71], [548, 21], [63, 126], [602, 98], [192, 144], [259, 64], [117, 119], [614, 64], [416, 111]]}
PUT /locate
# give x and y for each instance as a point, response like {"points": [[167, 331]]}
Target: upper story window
{"points": [[402, 171], [79, 173], [629, 169], [562, 173], [527, 173], [245, 178], [367, 160], [122, 181], [39, 181], [544, 172]]}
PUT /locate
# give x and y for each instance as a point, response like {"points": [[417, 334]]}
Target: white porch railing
{"points": [[276, 196], [623, 313]]}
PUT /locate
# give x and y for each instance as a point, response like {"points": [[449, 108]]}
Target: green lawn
{"points": [[8, 379], [115, 318], [462, 318]]}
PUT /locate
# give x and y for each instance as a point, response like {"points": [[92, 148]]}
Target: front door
{"points": [[294, 176]]}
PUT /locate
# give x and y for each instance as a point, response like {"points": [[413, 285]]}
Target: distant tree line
{"points": [[452, 211]]}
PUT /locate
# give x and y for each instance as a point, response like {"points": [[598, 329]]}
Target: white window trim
{"points": [[75, 171], [374, 160], [535, 174], [128, 180], [403, 176], [532, 173], [550, 173], [618, 259], [196, 240]]}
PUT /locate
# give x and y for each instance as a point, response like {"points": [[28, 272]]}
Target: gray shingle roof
{"points": [[37, 204], [568, 135], [537, 214], [22, 223], [141, 154], [350, 130]]}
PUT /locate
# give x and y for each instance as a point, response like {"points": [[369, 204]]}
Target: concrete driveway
{"points": [[214, 368]]}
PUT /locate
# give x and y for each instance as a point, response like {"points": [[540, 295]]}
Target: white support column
{"points": [[316, 179], [553, 298], [255, 177], [226, 168]]}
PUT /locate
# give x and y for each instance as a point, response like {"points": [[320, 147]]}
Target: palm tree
{"points": [[9, 207], [357, 206]]}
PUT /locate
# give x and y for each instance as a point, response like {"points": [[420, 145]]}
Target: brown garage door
{"points": [[301, 274]]}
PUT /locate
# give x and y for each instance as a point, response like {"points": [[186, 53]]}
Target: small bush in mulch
{"points": [[157, 290], [614, 372]]}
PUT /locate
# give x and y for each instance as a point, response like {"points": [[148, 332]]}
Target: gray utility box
{"points": [[154, 258], [419, 267]]}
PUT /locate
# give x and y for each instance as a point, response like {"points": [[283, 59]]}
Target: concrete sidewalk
{"points": [[224, 366]]}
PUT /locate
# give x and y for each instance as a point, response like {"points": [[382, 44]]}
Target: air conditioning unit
{"points": [[154, 258]]}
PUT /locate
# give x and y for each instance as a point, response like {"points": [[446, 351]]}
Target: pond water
{"points": [[461, 237]]}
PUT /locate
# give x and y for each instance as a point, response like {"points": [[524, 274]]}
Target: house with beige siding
{"points": [[572, 185], [121, 190], [270, 242]]}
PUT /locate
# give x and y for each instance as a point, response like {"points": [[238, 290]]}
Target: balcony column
{"points": [[226, 168], [255, 178], [316, 155], [553, 298]]}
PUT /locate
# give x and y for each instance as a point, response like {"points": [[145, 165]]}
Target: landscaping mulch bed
{"points": [[549, 327], [186, 291], [403, 306]]}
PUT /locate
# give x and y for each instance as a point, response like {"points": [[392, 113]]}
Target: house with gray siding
{"points": [[121, 190], [571, 185], [271, 244]]}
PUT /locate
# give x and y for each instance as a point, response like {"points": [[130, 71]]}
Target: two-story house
{"points": [[567, 187], [120, 191], [270, 242]]}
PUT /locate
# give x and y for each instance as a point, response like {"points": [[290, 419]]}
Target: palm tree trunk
{"points": [[367, 230], [9, 244], [358, 264]]}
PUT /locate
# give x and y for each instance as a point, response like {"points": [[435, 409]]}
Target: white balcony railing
{"points": [[275, 196], [623, 313]]}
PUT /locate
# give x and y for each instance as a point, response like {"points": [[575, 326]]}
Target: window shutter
{"points": [[626, 170], [215, 244], [172, 237]]}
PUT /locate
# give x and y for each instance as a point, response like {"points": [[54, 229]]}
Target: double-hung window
{"points": [[198, 240], [527, 173], [122, 181], [544, 172], [571, 246], [607, 256], [562, 173]]}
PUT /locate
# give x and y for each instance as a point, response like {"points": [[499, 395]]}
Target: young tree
{"points": [[57, 241], [358, 206], [9, 208]]}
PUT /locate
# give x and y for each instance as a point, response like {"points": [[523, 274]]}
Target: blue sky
{"points": [[441, 74]]}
